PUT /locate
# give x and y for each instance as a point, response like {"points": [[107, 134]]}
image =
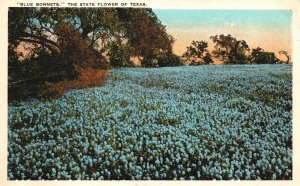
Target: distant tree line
{"points": [[229, 50]]}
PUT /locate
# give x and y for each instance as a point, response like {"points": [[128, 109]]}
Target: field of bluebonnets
{"points": [[192, 123]]}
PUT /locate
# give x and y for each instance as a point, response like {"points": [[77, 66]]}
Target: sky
{"points": [[268, 29]]}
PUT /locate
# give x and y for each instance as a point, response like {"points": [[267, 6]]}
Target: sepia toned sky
{"points": [[268, 29]]}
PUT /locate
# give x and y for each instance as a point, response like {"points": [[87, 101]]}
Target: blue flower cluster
{"points": [[191, 123]]}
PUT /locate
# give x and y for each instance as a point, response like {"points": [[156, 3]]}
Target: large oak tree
{"points": [[138, 28], [63, 41]]}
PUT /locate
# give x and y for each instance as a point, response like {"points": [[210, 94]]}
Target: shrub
{"points": [[169, 60], [88, 77], [27, 78]]}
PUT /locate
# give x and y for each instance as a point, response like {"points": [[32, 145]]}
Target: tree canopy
{"points": [[230, 50], [259, 56], [63, 41], [140, 29], [197, 53]]}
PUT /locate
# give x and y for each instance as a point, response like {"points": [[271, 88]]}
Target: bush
{"points": [[28, 77], [169, 60], [87, 78]]}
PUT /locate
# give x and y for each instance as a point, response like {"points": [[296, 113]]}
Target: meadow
{"points": [[191, 123]]}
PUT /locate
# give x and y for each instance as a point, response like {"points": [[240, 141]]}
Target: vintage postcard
{"points": [[150, 92]]}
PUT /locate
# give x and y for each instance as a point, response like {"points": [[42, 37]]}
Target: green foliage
{"points": [[76, 51], [259, 56], [207, 59], [17, 21], [169, 60], [230, 50], [149, 62], [30, 78], [66, 40], [198, 54], [148, 37], [27, 78], [119, 55]]}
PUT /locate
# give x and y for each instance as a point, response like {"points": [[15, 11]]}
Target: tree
{"points": [[140, 29], [72, 39], [119, 55], [38, 25], [288, 57], [197, 53], [230, 50], [147, 36], [259, 56]]}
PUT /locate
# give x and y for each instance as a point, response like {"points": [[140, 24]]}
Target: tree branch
{"points": [[42, 39], [52, 49]]}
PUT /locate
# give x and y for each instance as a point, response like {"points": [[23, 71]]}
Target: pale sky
{"points": [[268, 29]]}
